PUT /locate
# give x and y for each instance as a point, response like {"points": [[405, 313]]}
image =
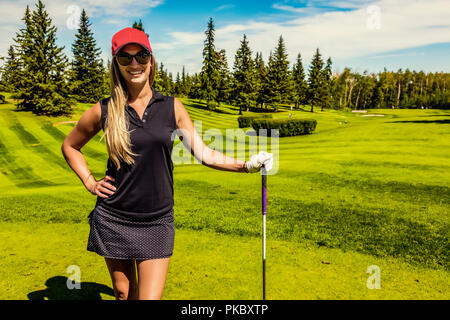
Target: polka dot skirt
{"points": [[112, 236]]}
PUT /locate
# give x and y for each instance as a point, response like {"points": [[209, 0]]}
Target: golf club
{"points": [[264, 201]]}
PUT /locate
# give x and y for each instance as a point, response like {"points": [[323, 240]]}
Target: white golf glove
{"points": [[257, 160]]}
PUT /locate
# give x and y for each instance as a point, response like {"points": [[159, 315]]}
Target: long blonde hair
{"points": [[116, 129]]}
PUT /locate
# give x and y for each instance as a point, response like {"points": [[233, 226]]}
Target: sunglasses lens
{"points": [[124, 59], [143, 57]]}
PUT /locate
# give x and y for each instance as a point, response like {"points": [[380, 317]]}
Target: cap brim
{"points": [[120, 48]]}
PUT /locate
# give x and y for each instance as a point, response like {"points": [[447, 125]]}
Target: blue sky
{"points": [[359, 34]]}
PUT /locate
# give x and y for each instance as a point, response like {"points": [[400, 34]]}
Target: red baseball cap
{"points": [[129, 35]]}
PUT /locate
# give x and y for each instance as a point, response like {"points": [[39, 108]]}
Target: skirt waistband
{"points": [[145, 217]]}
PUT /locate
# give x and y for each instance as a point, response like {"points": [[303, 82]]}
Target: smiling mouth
{"points": [[135, 73]]}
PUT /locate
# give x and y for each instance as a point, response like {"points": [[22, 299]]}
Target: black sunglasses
{"points": [[125, 59]]}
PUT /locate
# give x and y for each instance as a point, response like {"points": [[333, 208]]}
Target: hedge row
{"points": [[286, 127], [246, 121]]}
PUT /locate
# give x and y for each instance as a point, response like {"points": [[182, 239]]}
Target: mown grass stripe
{"points": [[21, 175], [33, 144], [88, 151]]}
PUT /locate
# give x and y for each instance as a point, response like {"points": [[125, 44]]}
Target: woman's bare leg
{"points": [[152, 278], [123, 276]]}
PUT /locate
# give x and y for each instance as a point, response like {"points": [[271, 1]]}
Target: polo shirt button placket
{"points": [[145, 120]]}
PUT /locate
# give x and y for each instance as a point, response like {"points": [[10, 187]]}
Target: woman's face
{"points": [[134, 67]]}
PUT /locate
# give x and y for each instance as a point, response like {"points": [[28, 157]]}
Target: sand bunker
{"points": [[372, 115]]}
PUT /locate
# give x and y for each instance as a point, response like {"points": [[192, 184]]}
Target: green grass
{"points": [[359, 191], [206, 265]]}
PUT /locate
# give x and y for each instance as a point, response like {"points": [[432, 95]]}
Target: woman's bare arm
{"points": [[85, 129], [194, 143]]}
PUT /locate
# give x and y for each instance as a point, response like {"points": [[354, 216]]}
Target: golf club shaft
{"points": [[264, 206]]}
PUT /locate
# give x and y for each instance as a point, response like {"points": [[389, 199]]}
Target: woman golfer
{"points": [[132, 224]]}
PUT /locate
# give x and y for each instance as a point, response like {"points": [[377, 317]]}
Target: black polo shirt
{"points": [[145, 187]]}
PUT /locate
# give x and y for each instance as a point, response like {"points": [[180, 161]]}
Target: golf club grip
{"points": [[264, 176]]}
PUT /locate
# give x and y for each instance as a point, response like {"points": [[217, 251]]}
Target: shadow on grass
{"points": [[203, 107], [436, 115], [303, 110], [57, 290], [262, 132], [446, 121]]}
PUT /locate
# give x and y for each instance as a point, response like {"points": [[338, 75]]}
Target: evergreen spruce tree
{"points": [[23, 47], [278, 75], [87, 75], [244, 93], [186, 82], [326, 85], [138, 25], [315, 80], [260, 78], [269, 85], [225, 81], [300, 84], [2, 85], [43, 88], [170, 85], [162, 82], [107, 69], [165, 80], [195, 87], [157, 83], [178, 85], [11, 71], [209, 75]]}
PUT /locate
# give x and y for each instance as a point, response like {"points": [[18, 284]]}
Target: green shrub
{"points": [[286, 127], [246, 121], [2, 98]]}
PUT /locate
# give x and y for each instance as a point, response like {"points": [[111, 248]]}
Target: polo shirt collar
{"points": [[156, 96], [134, 117]]}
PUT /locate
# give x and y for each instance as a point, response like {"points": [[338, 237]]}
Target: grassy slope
{"points": [[372, 187], [206, 265]]}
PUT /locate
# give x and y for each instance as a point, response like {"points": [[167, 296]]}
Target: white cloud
{"points": [[224, 7], [338, 34], [391, 55], [345, 4], [115, 12], [114, 21], [187, 38], [287, 8]]}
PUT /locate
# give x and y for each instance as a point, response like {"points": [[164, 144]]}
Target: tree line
{"points": [[253, 84], [37, 73]]}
